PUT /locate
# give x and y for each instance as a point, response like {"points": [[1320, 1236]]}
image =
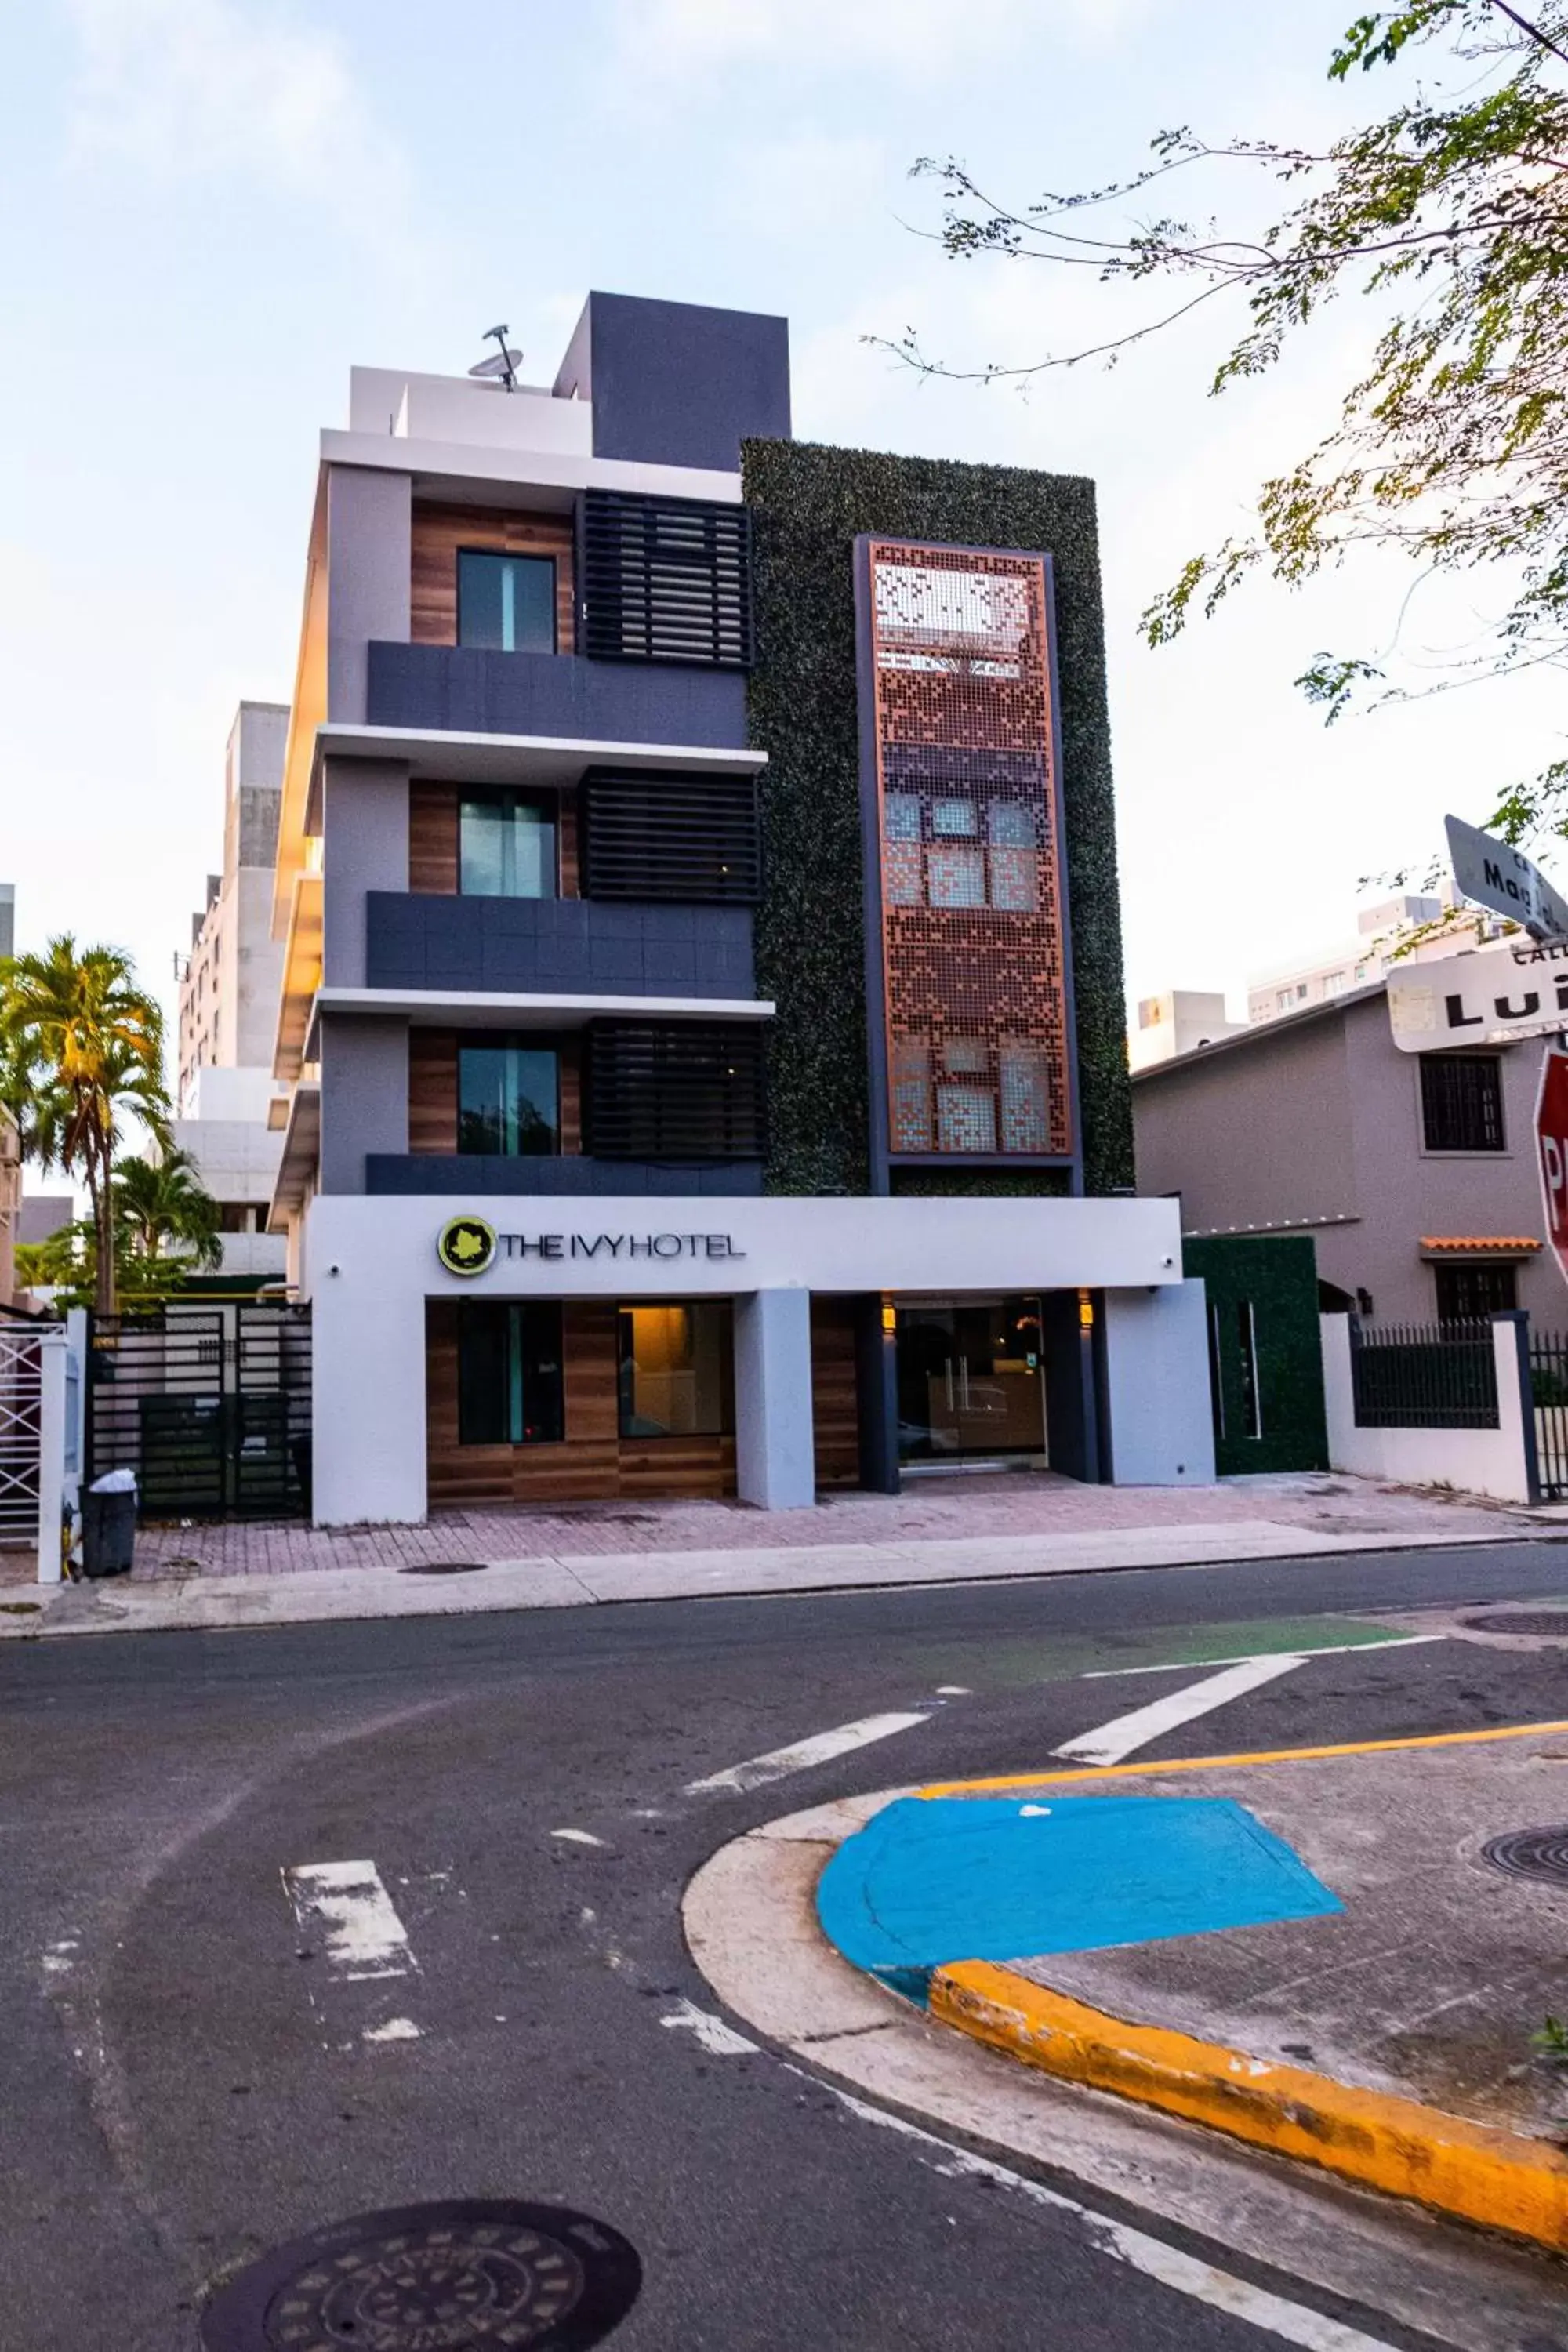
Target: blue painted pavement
{"points": [[930, 1880]]}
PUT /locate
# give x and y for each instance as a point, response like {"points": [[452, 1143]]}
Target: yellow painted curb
{"points": [[1380, 2141], [1215, 1763]]}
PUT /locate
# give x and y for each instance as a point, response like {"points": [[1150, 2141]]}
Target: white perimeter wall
{"points": [[1474, 1460], [1157, 1382]]}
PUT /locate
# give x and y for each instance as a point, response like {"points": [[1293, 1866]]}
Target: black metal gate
{"points": [[209, 1405], [1549, 1397]]}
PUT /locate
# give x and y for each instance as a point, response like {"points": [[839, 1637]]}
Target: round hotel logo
{"points": [[465, 1244]]}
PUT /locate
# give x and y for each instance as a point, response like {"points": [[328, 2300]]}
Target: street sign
{"points": [[1551, 1152], [1493, 875], [1490, 996]]}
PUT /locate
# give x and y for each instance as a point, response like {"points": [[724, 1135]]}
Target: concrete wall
{"points": [[1157, 1388], [1252, 1134], [679, 383], [364, 1096], [1497, 1462], [365, 817], [559, 946], [370, 567]]}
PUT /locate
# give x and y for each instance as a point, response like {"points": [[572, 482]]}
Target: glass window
{"points": [[508, 1099], [510, 1386], [1015, 881], [911, 1096], [1011, 825], [1461, 1102], [957, 876], [677, 1370], [901, 816], [506, 847], [506, 604], [1469, 1294], [1026, 1125]]}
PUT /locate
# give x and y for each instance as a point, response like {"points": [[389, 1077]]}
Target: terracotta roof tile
{"points": [[1519, 1244]]}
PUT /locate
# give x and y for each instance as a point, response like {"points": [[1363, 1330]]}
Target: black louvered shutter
{"points": [[664, 580], [672, 837], [692, 1090]]}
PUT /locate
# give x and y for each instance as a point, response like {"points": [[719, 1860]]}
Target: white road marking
{"points": [[345, 1905], [1292, 2323], [720, 2040], [1119, 1738], [758, 1770], [953, 1690], [577, 1837], [1240, 1657], [396, 2029]]}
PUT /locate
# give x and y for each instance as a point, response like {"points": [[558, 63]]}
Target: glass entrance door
{"points": [[970, 1379]]}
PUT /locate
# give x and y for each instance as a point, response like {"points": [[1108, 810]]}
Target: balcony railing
{"points": [[462, 689], [557, 947]]}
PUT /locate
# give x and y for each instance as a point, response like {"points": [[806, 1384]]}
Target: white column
{"points": [[367, 1409], [774, 1444], [53, 1436], [1157, 1386]]}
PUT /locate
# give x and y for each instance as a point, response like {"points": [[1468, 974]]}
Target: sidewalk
{"points": [[1340, 1955], [963, 1531]]}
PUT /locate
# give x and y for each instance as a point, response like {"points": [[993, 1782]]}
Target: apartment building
{"points": [[701, 1002], [228, 996]]}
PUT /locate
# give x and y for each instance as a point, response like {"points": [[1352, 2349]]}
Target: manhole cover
{"points": [[1531, 1853], [468, 2277], [443, 1567]]}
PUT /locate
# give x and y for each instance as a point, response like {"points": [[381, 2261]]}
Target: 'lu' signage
{"points": [[1486, 998]]}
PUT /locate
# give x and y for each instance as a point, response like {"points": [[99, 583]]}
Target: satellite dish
{"points": [[501, 363]]}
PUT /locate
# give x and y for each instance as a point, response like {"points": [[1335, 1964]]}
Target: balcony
{"points": [[570, 1176], [461, 689], [558, 947]]}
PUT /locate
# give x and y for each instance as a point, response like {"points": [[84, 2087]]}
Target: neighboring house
{"points": [[1178, 1023], [697, 1084], [228, 1007], [1415, 1173]]}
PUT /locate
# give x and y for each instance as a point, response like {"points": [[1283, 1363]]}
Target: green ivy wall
{"points": [[808, 505]]}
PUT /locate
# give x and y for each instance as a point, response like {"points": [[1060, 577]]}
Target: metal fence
{"points": [[1423, 1375], [210, 1407], [21, 1425], [1549, 1395]]}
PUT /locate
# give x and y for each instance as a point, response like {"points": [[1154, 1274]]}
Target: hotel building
{"points": [[703, 998]]}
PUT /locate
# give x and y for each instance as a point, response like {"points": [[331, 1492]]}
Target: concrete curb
{"points": [[1377, 2140], [197, 1602]]}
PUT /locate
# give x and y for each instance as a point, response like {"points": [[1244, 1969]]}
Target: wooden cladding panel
{"points": [[433, 1089], [593, 1464], [835, 1392], [440, 531], [433, 839]]}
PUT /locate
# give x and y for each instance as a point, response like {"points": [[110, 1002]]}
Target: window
{"points": [[677, 1370], [1461, 1102], [506, 604], [672, 837], [1469, 1294], [691, 1092], [506, 847], [510, 1387], [508, 1099]]}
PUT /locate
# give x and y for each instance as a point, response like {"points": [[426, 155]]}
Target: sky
{"points": [[210, 208]]}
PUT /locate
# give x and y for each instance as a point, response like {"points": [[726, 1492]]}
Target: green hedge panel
{"points": [[808, 505]]}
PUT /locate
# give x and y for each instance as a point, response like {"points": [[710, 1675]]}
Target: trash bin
{"points": [[108, 1524]]}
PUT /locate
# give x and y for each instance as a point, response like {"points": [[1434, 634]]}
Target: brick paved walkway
{"points": [[1034, 1503]]}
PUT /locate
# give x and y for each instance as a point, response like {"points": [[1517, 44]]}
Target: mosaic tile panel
{"points": [[974, 949]]}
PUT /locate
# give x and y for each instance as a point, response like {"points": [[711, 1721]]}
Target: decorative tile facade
{"points": [[973, 941]]}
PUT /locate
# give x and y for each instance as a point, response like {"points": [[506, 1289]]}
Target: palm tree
{"points": [[164, 1201], [82, 1047]]}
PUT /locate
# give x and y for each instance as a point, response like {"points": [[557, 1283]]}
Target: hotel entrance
{"points": [[971, 1378]]}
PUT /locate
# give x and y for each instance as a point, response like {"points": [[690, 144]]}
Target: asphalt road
{"points": [[184, 2082]]}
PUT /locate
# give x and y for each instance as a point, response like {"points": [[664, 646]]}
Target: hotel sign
{"points": [[468, 1245]]}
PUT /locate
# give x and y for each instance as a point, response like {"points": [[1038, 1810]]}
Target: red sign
{"points": [[1552, 1150]]}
